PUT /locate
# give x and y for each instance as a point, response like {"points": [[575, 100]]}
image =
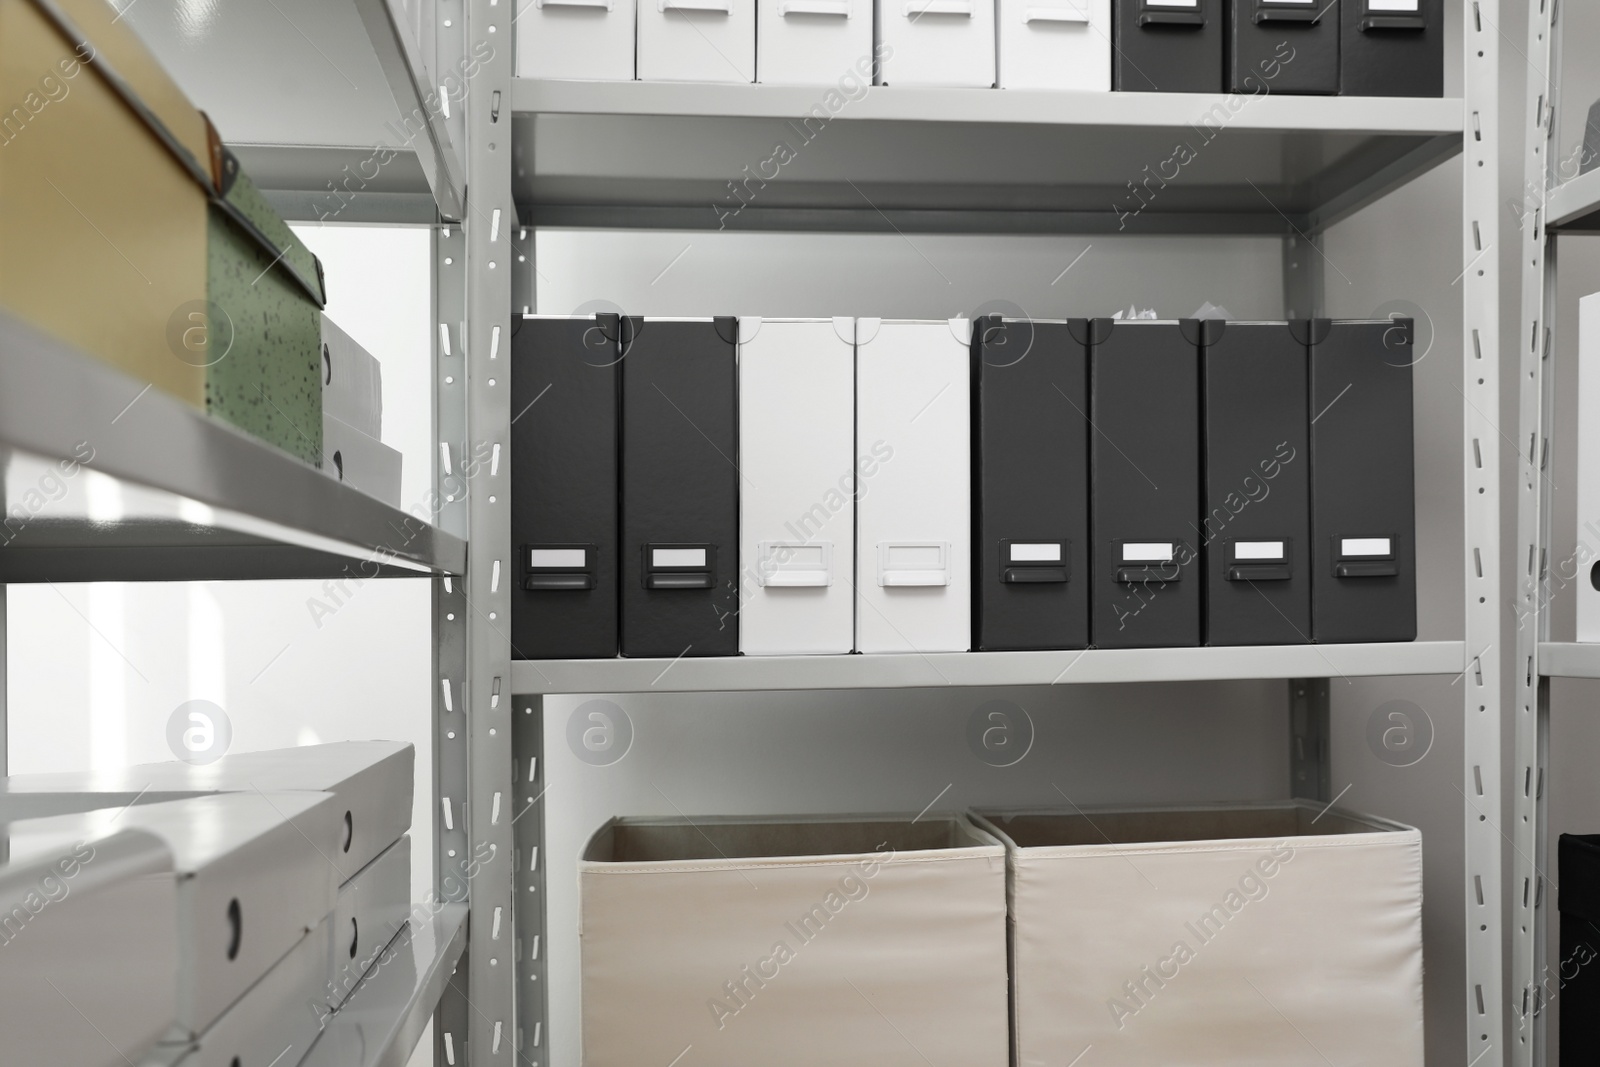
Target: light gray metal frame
{"points": [[1537, 246]]}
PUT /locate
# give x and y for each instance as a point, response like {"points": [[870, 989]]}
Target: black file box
{"points": [[564, 397], [1257, 518], [1284, 46], [1576, 979], [1363, 509], [1392, 48], [1030, 492], [1144, 461], [1167, 46], [680, 488]]}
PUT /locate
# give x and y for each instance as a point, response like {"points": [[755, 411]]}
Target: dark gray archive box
{"points": [[1257, 524], [1167, 46], [1578, 860], [1363, 507], [1030, 491], [1144, 462], [680, 487], [1392, 48], [564, 396], [1284, 46]]}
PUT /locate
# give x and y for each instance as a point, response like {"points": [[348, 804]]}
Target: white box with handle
{"points": [[589, 40], [936, 42], [697, 40], [1055, 44]]}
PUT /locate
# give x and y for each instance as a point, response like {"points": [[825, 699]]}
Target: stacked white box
{"points": [[914, 517], [936, 42], [1587, 554], [588, 40], [814, 42], [1283, 934], [1055, 44], [793, 942], [798, 486], [697, 40], [352, 418]]}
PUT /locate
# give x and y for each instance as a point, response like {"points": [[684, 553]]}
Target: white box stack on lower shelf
{"points": [[79, 983], [352, 418], [287, 899]]}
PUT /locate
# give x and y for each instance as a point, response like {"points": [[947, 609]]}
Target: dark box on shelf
{"points": [[1256, 526], [680, 488], [1578, 973], [1283, 46], [1392, 48], [1363, 508], [1168, 46], [564, 397], [1030, 492], [1144, 385]]}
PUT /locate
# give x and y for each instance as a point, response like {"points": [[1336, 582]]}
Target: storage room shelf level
{"points": [[700, 156], [940, 669], [106, 479]]}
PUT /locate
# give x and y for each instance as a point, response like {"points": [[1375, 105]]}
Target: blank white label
{"points": [[808, 557], [1365, 546], [1172, 3], [1394, 5], [678, 557], [916, 556], [557, 557], [1042, 553], [1148, 551], [1258, 550]]}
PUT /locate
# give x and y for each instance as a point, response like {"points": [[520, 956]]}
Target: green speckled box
{"points": [[265, 293]]}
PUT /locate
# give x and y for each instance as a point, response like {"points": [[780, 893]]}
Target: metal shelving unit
{"points": [[522, 153], [1572, 207]]}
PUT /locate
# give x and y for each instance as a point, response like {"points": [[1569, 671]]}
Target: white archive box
{"points": [[253, 873], [1588, 540], [360, 461], [792, 942], [88, 946], [1055, 44], [373, 907], [587, 40], [936, 42], [914, 517], [797, 498], [1261, 935], [697, 40], [352, 381], [814, 42], [372, 779]]}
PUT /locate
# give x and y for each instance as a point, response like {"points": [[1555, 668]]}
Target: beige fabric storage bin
{"points": [[1270, 935], [870, 942]]}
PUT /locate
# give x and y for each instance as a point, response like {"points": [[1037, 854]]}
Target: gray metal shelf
{"points": [[380, 1024], [1574, 206], [188, 498], [934, 670], [664, 155], [1568, 659]]}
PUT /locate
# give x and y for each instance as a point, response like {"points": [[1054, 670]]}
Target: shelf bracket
{"points": [[1310, 757]]}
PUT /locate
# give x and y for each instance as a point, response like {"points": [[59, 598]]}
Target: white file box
{"points": [[1055, 44], [914, 455], [352, 382], [697, 40], [793, 942], [589, 40], [1279, 934], [797, 495], [936, 42], [814, 42]]}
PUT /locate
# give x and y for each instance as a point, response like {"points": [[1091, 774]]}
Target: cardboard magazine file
{"points": [[1275, 933], [792, 941]]}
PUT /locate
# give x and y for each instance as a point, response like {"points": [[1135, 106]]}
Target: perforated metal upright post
{"points": [[1531, 712], [489, 225], [1480, 390]]}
